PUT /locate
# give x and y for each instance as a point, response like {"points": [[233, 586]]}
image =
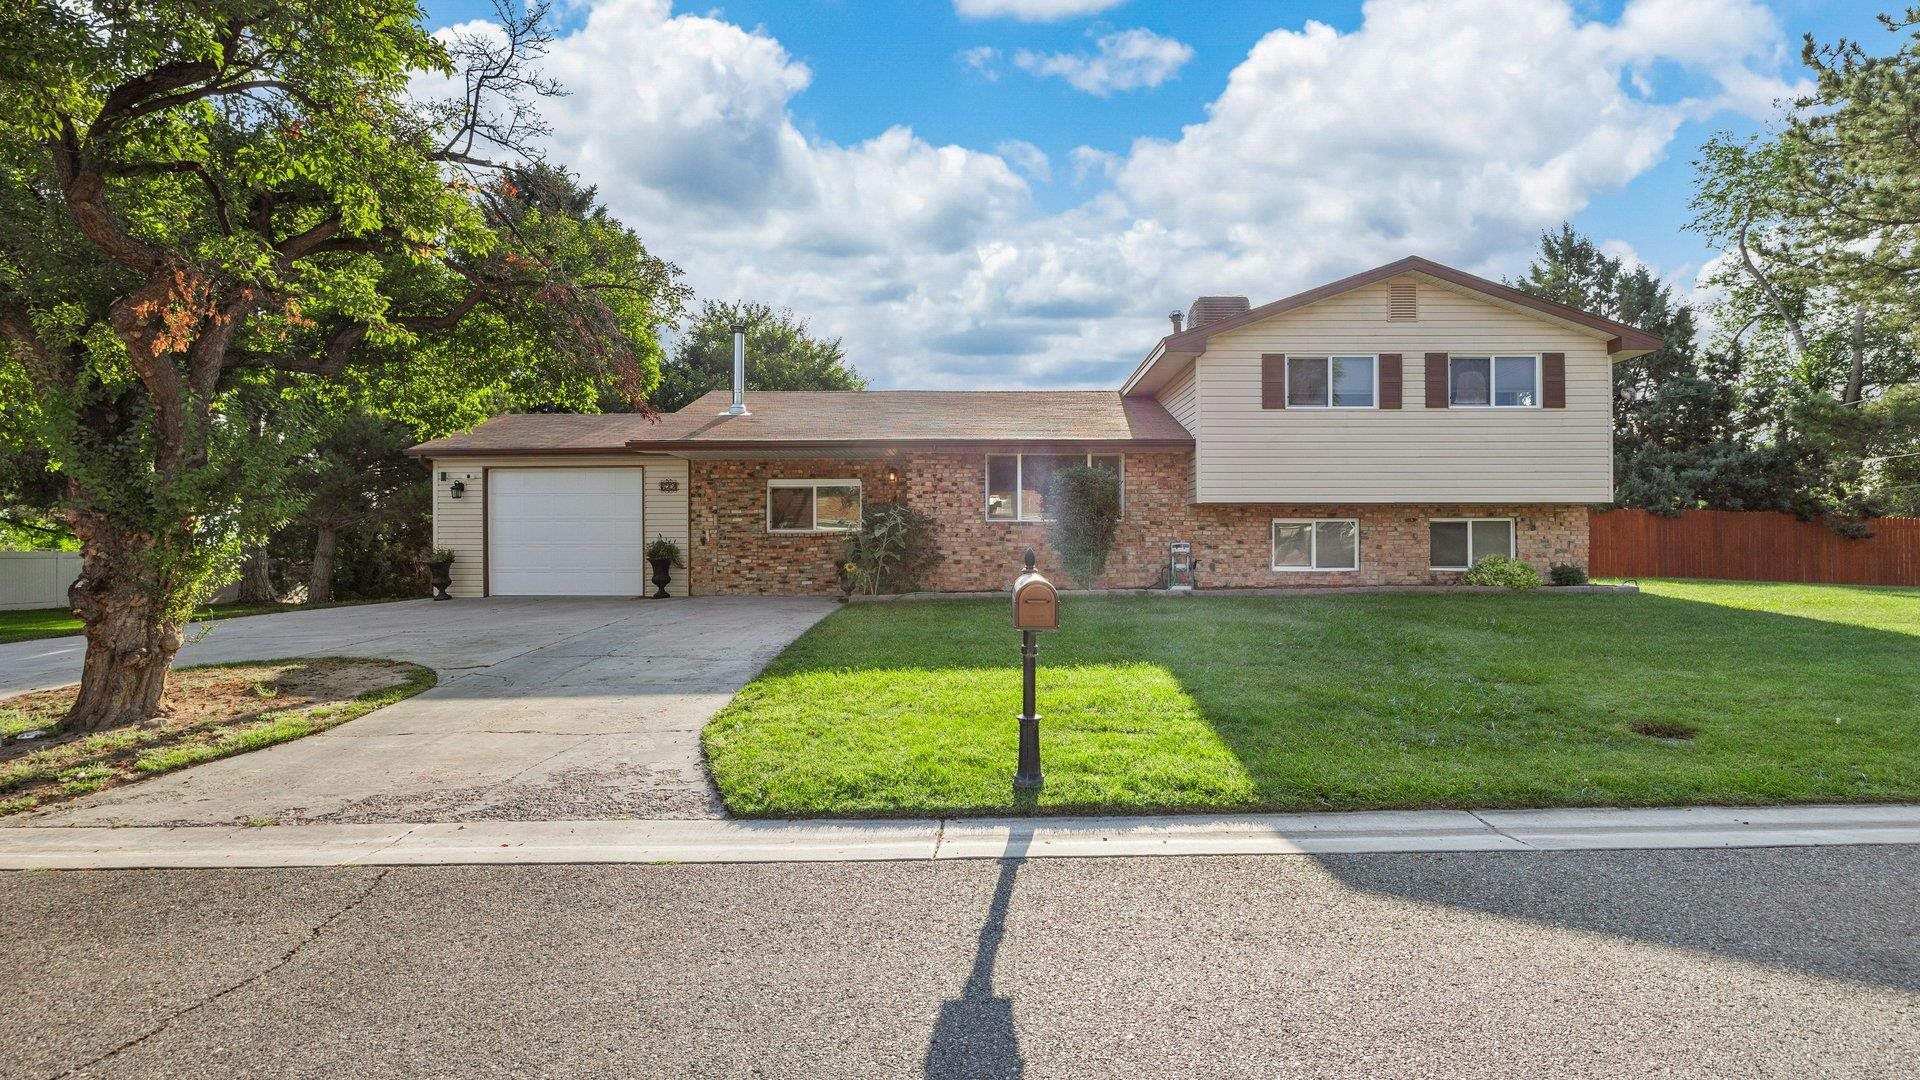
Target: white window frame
{"points": [[1513, 537], [1493, 390], [817, 527], [1019, 485], [1273, 546], [1328, 358]]}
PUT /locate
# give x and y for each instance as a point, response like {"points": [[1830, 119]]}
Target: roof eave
{"points": [[672, 446]]}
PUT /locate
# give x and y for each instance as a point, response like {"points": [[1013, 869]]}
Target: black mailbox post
{"points": [[1036, 607]]}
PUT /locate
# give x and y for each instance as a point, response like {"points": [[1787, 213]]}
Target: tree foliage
{"points": [[781, 355], [1819, 227], [203, 202], [1680, 440], [1085, 503]]}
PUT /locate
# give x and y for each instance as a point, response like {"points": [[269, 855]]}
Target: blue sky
{"points": [[973, 192]]}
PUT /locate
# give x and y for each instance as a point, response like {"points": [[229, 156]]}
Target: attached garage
{"points": [[566, 531]]}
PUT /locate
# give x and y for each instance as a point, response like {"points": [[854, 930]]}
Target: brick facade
{"points": [[732, 551]]}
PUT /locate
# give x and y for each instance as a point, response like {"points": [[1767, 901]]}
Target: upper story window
{"points": [[1331, 382], [1498, 381], [806, 506], [1017, 483]]}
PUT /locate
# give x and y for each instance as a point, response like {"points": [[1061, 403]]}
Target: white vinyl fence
{"points": [[39, 579], [36, 579]]}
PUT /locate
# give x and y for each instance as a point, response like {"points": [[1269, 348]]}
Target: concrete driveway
{"points": [[547, 709]]}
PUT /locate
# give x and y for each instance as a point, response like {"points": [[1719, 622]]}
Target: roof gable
{"points": [[1623, 342]]}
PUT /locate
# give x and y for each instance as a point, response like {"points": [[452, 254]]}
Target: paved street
{"points": [[1768, 962], [546, 709]]}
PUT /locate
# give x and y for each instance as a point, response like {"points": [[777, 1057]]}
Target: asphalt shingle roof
{"points": [[836, 418]]}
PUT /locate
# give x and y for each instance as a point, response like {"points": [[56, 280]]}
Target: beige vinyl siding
{"points": [[1178, 397], [1487, 455], [459, 523]]}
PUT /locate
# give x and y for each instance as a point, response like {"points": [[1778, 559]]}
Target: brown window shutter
{"points": [[1436, 380], [1390, 380], [1273, 380], [1553, 380]]}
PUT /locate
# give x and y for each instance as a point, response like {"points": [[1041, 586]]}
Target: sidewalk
{"points": [[633, 841]]}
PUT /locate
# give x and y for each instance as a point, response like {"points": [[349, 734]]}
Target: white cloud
{"points": [[1123, 60], [1031, 10], [1456, 129], [1028, 158], [982, 59], [1089, 161]]}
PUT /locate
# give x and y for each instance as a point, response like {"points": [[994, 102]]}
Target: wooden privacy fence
{"points": [[1751, 546]]}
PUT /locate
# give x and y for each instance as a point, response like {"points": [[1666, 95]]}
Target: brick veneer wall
{"points": [[734, 553]]}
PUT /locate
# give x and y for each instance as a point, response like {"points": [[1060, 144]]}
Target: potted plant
{"points": [[441, 564], [664, 554]]}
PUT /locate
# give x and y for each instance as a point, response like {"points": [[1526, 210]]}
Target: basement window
{"points": [[1330, 544], [1460, 543], [810, 506], [1017, 483]]}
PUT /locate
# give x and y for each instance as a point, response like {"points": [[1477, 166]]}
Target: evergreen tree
{"points": [[1678, 441], [781, 355]]}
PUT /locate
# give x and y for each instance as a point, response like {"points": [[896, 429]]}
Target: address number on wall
{"points": [[669, 485]]}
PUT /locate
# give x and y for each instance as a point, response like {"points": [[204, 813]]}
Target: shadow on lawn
{"points": [[1425, 700]]}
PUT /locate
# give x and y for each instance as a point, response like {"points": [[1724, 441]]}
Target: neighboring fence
{"points": [[36, 579], [1751, 546]]}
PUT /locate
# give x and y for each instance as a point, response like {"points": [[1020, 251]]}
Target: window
{"points": [[1459, 543], [1316, 545], [1017, 483], [1330, 382], [1503, 381], [802, 506]]}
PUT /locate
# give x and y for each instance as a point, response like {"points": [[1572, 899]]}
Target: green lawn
{"points": [[1777, 693], [58, 622]]}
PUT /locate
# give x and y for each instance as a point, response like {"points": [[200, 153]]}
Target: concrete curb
{"points": [[506, 842]]}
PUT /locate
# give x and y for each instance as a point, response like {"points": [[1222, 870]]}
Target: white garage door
{"points": [[565, 532]]}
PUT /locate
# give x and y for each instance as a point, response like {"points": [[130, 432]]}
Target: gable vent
{"points": [[1402, 302]]}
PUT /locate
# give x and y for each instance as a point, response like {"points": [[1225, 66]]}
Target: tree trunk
{"points": [[1857, 371], [320, 581], [256, 578], [131, 642]]}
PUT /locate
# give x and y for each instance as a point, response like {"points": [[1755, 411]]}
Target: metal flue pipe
{"points": [[739, 406]]}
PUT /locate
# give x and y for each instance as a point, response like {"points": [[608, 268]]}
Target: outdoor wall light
{"points": [[893, 476], [459, 488]]}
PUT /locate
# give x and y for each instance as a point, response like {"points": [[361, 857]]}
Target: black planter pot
{"points": [[442, 579], [662, 574]]}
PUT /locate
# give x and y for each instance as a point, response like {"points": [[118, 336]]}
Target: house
{"points": [[1389, 428]]}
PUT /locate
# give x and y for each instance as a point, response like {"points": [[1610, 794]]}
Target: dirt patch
{"points": [[210, 713], [1670, 730]]}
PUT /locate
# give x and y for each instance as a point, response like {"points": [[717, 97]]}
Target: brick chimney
{"points": [[1211, 309]]}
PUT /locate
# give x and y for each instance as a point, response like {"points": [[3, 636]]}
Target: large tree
{"points": [[781, 355], [1678, 437], [1819, 224], [199, 197]]}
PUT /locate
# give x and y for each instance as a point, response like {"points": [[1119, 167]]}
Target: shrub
{"points": [[894, 548], [1085, 503], [1567, 573], [1500, 570]]}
